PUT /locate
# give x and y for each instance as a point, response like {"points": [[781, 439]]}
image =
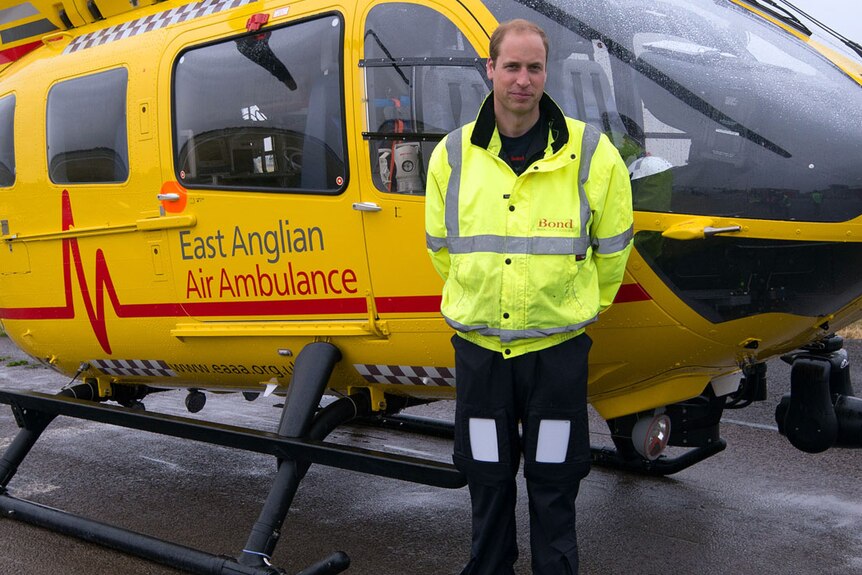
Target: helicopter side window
{"points": [[86, 126], [423, 80], [263, 111], [7, 141]]}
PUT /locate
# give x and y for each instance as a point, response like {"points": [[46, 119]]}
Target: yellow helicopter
{"points": [[227, 195]]}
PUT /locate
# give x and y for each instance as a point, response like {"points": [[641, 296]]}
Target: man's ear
{"points": [[489, 69]]}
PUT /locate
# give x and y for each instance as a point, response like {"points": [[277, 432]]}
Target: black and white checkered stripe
{"points": [[406, 374], [152, 22], [134, 367]]}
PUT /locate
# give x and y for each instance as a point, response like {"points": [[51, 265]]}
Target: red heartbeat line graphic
{"points": [[104, 285], [103, 282]]}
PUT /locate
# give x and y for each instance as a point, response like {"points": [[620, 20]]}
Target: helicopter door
{"points": [[423, 78], [261, 162]]}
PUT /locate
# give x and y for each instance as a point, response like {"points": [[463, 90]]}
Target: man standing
{"points": [[529, 221]]}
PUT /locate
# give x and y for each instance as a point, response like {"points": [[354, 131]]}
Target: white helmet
{"points": [[648, 166]]}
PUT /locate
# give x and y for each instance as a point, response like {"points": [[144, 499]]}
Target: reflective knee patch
{"points": [[487, 445], [484, 450], [483, 440], [553, 441], [556, 445]]}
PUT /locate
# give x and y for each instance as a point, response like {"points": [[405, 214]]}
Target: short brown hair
{"points": [[519, 26]]}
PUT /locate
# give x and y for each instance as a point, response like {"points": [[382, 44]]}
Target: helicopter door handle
{"points": [[366, 207], [168, 197], [710, 231], [697, 229]]}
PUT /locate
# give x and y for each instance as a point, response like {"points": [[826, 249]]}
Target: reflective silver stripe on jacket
{"points": [[453, 190], [453, 151], [506, 244], [517, 245], [434, 243], [509, 245], [615, 243], [589, 143], [510, 335]]}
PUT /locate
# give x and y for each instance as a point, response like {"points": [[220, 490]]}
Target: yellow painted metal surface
{"points": [[110, 272]]}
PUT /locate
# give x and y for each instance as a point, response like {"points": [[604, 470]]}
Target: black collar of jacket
{"points": [[486, 122]]}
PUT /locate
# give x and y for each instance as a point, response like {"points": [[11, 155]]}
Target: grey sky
{"points": [[844, 16]]}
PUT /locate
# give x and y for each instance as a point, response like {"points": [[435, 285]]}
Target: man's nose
{"points": [[523, 77]]}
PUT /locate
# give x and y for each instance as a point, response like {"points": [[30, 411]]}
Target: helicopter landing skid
{"points": [[609, 457], [601, 456], [297, 444]]}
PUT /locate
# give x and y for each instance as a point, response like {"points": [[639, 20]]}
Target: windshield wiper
{"points": [[781, 13], [851, 44], [855, 46], [386, 51], [688, 97]]}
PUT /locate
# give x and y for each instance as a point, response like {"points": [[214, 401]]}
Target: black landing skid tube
{"points": [[297, 445], [623, 457]]}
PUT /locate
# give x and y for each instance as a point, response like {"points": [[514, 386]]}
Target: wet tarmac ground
{"points": [[760, 507]]}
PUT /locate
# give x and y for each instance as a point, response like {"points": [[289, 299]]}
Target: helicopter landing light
{"points": [[650, 435]]}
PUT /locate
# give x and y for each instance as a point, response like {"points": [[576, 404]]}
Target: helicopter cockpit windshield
{"points": [[719, 113], [734, 103]]}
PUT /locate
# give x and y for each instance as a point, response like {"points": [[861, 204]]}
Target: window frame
{"points": [[342, 98], [14, 167], [89, 75], [417, 135]]}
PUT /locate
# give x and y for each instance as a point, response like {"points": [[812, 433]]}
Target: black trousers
{"points": [[546, 392]]}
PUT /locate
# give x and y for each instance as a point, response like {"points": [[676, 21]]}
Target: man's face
{"points": [[518, 74]]}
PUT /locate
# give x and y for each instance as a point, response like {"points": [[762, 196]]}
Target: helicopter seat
{"points": [[448, 96], [708, 110], [585, 94], [88, 166]]}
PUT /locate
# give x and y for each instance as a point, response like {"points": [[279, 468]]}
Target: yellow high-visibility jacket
{"points": [[528, 260]]}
